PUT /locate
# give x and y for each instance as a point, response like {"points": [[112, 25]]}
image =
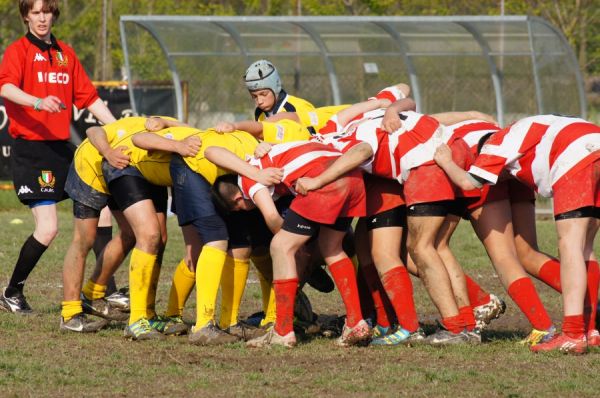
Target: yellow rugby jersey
{"points": [[240, 143], [317, 118], [290, 104], [154, 165], [87, 161], [285, 130]]}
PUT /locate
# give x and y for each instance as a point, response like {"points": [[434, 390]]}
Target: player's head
{"points": [[228, 194], [264, 84], [39, 15]]}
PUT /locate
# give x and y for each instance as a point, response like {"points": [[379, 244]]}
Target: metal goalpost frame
{"points": [[530, 49]]}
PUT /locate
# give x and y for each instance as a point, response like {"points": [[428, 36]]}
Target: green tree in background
{"points": [[80, 23]]}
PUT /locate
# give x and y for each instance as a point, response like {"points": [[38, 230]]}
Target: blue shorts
{"points": [[192, 199], [112, 173]]}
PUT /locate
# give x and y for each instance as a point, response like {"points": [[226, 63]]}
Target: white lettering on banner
{"points": [[90, 119], [77, 113], [6, 151], [3, 117], [53, 77]]}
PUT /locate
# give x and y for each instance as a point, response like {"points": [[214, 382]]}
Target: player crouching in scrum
{"points": [[327, 211]]}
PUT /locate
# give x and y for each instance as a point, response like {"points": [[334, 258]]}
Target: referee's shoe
{"points": [[17, 304]]}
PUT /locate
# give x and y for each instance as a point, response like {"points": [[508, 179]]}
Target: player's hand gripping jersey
{"points": [[344, 197], [539, 151], [88, 161], [393, 154]]}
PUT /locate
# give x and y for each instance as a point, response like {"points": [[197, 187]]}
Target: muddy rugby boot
{"points": [[272, 338], [360, 334], [445, 337], [120, 299], [102, 308], [81, 324], [210, 334], [247, 332], [486, 313]]}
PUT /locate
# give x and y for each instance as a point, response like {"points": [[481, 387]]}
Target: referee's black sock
{"points": [[30, 254]]}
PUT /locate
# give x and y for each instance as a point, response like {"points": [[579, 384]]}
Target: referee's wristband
{"points": [[37, 104]]}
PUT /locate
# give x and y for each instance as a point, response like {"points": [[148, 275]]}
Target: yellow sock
{"points": [[70, 308], [233, 283], [141, 267], [208, 278], [264, 265], [268, 299], [181, 287], [151, 301], [93, 291]]}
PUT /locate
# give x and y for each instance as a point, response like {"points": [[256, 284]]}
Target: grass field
{"points": [[38, 360]]}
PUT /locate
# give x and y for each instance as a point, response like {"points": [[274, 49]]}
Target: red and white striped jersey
{"points": [[395, 154], [295, 158], [539, 150], [471, 131]]}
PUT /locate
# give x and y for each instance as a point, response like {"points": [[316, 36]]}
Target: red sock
{"points": [[468, 317], [573, 326], [591, 294], [525, 296], [398, 287], [345, 280], [550, 274], [454, 324], [376, 293], [285, 296], [477, 296]]}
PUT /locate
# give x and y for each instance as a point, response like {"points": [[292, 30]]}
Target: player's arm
{"points": [[346, 115], [249, 126], [226, 159], [116, 157], [189, 146], [14, 94], [101, 112], [350, 160], [283, 116], [449, 118], [391, 119], [264, 201], [156, 123], [461, 178]]}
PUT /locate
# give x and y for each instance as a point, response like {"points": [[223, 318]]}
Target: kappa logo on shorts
{"points": [[24, 189], [39, 57], [47, 180]]}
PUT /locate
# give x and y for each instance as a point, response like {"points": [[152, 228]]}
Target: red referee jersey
{"points": [[42, 69]]}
